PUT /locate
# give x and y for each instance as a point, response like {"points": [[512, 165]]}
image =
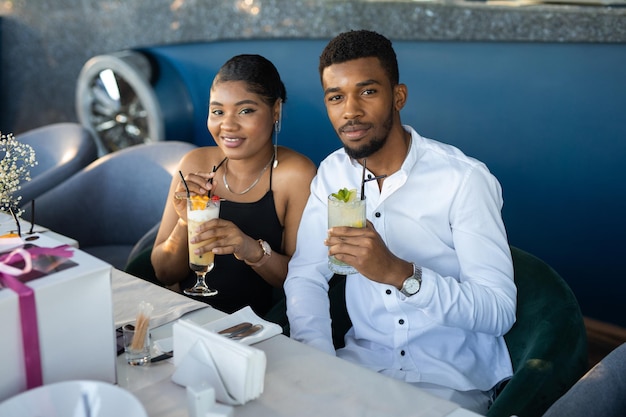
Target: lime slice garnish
{"points": [[345, 195], [351, 195]]}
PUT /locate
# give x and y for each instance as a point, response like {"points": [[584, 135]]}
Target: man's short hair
{"points": [[357, 44]]}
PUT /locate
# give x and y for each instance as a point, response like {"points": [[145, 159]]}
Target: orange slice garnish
{"points": [[199, 202]]}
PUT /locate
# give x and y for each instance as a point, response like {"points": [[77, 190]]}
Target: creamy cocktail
{"points": [[200, 209]]}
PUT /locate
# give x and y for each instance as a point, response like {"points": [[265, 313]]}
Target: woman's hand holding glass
{"points": [[226, 238]]}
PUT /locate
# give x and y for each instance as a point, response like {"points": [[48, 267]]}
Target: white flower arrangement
{"points": [[17, 159]]}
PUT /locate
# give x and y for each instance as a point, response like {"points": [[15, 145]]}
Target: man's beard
{"points": [[374, 145]]}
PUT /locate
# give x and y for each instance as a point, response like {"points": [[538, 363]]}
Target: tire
{"points": [[117, 103]]}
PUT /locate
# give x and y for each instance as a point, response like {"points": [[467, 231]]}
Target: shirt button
{"points": [[377, 214], [402, 353], [401, 321], [388, 292]]}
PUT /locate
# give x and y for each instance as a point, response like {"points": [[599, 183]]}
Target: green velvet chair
{"points": [[138, 262], [548, 342]]}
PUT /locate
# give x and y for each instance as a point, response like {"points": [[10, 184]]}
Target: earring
{"points": [[276, 130], [277, 127]]}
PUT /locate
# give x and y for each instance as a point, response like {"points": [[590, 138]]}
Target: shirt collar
{"points": [[414, 152]]}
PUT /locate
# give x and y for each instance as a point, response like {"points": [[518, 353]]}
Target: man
{"points": [[434, 293]]}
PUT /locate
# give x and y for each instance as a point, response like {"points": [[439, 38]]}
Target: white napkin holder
{"points": [[201, 403], [235, 371]]}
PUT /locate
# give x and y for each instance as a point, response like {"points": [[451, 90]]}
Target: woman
{"points": [[264, 189]]}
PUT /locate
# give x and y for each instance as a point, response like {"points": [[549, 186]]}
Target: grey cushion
{"points": [[601, 392], [61, 150], [115, 200]]}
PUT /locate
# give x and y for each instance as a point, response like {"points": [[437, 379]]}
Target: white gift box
{"points": [[75, 323]]}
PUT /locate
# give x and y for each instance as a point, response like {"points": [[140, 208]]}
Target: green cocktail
{"points": [[345, 213]]}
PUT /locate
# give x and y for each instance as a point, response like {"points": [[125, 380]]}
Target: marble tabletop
{"points": [[299, 380]]}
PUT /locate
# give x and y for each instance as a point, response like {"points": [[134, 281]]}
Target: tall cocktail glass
{"points": [[200, 209], [341, 213]]}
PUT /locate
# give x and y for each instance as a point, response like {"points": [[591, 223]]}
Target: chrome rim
{"points": [[116, 102], [117, 115]]}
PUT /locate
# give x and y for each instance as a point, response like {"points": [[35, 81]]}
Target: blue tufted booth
{"points": [[547, 119]]}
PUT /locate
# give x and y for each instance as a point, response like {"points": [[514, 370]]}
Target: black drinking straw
{"points": [[182, 177], [211, 180], [370, 178], [363, 180]]}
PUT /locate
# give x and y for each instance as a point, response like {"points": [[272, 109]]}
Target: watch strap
{"points": [[415, 278], [267, 253]]}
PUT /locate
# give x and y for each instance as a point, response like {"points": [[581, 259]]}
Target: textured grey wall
{"points": [[46, 42]]}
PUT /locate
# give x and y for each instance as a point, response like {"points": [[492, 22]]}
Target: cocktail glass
{"points": [[341, 213], [200, 210]]}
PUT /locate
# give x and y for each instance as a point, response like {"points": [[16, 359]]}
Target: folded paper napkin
{"points": [[246, 315], [203, 358]]}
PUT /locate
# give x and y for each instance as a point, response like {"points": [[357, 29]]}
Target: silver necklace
{"points": [[255, 182]]}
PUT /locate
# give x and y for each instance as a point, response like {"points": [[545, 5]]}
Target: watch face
{"points": [[411, 286], [267, 249]]}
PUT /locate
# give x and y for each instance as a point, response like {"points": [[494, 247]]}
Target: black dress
{"points": [[238, 285]]}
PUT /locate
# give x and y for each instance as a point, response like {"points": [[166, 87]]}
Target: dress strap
{"points": [[272, 168]]}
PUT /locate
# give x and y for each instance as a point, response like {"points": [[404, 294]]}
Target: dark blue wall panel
{"points": [[547, 119]]}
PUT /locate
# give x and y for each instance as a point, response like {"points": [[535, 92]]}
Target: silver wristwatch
{"points": [[412, 284]]}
